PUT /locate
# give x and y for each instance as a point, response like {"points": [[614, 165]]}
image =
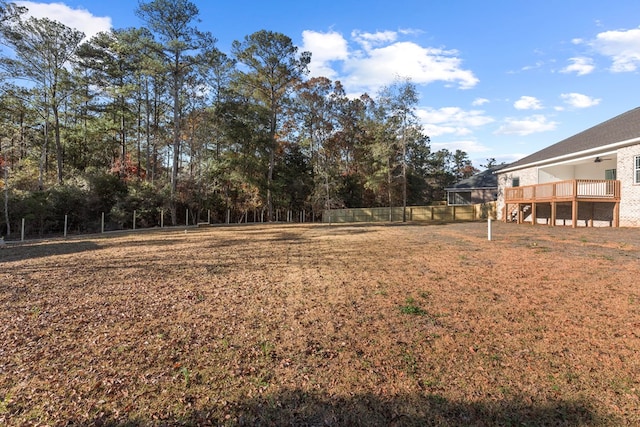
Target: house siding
{"points": [[630, 192]]}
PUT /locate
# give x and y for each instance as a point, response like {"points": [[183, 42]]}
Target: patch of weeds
{"points": [[262, 380], [412, 308], [571, 377], [622, 385], [35, 311], [266, 348], [4, 403], [504, 390], [410, 363], [430, 382], [425, 294], [535, 245], [186, 376]]}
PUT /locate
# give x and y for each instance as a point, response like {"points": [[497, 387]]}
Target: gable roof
{"points": [[621, 128], [484, 179]]}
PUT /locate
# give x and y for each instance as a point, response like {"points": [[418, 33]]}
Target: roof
{"points": [[484, 179], [621, 128]]}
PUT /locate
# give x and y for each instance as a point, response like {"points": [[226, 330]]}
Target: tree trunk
{"points": [[176, 141], [6, 198], [56, 132], [272, 162]]}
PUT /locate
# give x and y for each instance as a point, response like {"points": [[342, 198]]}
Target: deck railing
{"points": [[576, 189]]}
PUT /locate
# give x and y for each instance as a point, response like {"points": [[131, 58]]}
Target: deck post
{"points": [[553, 213], [520, 213], [533, 213], [616, 215], [574, 213]]}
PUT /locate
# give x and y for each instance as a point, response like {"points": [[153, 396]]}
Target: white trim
{"points": [[607, 153], [470, 188], [573, 156]]}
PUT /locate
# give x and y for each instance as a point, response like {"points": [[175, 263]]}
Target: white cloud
{"points": [[622, 47], [528, 103], [374, 60], [369, 40], [479, 102], [526, 126], [579, 65], [324, 48], [451, 120], [468, 146], [421, 65], [535, 66], [578, 100], [80, 19]]}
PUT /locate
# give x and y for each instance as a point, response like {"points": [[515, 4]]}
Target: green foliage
{"points": [[156, 118], [411, 307], [106, 190]]}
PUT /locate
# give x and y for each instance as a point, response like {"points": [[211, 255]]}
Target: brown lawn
{"points": [[323, 325]]}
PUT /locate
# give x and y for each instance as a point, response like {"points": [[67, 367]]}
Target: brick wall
{"points": [[527, 177], [630, 192]]}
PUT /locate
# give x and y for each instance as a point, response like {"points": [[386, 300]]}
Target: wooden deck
{"points": [[521, 201]]}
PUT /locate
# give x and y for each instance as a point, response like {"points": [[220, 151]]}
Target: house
{"points": [[589, 179], [482, 187]]}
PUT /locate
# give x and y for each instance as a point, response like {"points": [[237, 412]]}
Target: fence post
{"points": [[22, 232], [134, 219], [161, 218], [228, 215], [65, 225], [102, 224], [209, 216], [186, 216], [489, 229]]}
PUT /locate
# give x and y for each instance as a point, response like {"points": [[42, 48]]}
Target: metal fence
{"points": [[437, 213]]}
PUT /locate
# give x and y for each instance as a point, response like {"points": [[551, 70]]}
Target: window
{"points": [[459, 198], [636, 170], [610, 174], [515, 182]]}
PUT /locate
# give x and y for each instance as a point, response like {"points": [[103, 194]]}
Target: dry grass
{"points": [[324, 325]]}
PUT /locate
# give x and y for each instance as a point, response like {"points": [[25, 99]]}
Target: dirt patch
{"points": [[324, 325]]}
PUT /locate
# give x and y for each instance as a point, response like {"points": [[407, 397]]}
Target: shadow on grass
{"points": [[299, 408], [17, 252]]}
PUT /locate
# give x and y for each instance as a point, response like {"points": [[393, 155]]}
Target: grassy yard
{"points": [[371, 325]]}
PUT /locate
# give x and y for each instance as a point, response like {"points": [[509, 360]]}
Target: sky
{"points": [[497, 78]]}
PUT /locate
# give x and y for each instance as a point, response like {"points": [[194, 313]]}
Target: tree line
{"points": [[159, 117]]}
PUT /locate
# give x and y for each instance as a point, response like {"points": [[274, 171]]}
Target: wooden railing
{"points": [[576, 189]]}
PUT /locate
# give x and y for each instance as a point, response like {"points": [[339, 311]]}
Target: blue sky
{"points": [[499, 79]]}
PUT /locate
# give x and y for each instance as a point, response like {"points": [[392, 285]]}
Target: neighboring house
{"points": [[590, 179], [479, 188]]}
